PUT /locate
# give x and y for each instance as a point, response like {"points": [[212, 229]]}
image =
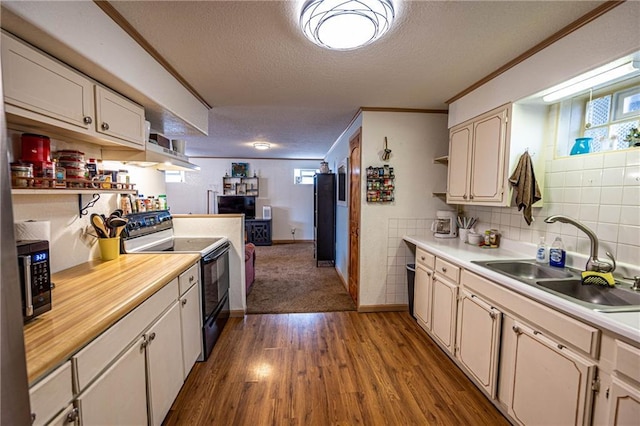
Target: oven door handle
{"points": [[217, 253]]}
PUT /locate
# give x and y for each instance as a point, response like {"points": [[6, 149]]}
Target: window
{"points": [[303, 176], [610, 117], [173, 176]]}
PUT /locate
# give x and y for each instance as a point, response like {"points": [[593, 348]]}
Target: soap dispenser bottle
{"points": [[557, 253], [541, 253]]}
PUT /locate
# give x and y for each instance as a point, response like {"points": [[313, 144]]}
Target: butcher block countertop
{"points": [[91, 297]]}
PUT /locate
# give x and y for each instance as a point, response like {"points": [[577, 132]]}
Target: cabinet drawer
{"points": [[425, 258], [51, 395], [448, 270], [573, 332], [189, 278], [96, 356], [627, 360]]}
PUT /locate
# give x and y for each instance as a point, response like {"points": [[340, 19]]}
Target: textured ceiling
{"points": [[267, 82]]}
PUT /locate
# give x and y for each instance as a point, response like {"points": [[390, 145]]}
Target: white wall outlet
{"points": [[293, 231]]}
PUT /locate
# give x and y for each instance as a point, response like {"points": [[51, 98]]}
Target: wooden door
{"points": [[478, 340], [550, 383], [459, 159], [354, 215], [119, 396], [443, 311], [422, 296], [488, 160]]}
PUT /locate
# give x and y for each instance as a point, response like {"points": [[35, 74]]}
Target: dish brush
{"points": [[598, 278]]}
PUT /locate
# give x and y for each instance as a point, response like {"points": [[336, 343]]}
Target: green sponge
{"points": [[598, 278]]}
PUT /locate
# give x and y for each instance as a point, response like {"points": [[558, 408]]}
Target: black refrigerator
{"points": [[324, 218]]}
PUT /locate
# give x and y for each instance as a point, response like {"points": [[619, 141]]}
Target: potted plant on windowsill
{"points": [[633, 137]]}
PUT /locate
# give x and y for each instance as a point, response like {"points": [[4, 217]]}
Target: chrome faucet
{"points": [[593, 264]]}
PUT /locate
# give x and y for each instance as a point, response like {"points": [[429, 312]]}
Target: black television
{"points": [[235, 204]]}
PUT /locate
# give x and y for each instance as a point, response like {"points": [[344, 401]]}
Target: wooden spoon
{"points": [[98, 224]]}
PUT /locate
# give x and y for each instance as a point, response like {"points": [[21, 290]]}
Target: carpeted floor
{"points": [[287, 281]]}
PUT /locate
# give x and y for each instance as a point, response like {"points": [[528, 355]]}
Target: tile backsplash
{"points": [[399, 255], [600, 190]]}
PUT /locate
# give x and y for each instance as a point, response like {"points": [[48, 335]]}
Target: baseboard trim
{"points": [[343, 280], [290, 241], [382, 308], [238, 313]]}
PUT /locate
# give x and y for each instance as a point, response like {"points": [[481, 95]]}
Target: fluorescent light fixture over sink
{"points": [[346, 24], [262, 145], [591, 80]]}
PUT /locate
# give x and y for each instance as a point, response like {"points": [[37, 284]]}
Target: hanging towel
{"points": [[524, 181]]}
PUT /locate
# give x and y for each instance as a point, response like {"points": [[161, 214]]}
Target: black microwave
{"points": [[35, 277]]}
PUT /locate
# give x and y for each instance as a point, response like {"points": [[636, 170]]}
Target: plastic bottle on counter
{"points": [[163, 201], [557, 253], [541, 252]]}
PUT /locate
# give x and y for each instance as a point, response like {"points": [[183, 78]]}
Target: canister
{"points": [[20, 174]]}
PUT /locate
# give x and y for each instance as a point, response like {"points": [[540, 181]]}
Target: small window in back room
{"points": [[303, 176], [173, 176], [611, 118]]}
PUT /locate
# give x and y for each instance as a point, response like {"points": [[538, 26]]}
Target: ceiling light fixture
{"points": [[261, 145], [346, 24], [590, 80]]}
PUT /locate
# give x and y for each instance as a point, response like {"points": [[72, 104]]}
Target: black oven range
{"points": [[152, 232]]}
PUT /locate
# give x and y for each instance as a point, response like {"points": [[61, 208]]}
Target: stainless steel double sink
{"points": [[567, 283]]}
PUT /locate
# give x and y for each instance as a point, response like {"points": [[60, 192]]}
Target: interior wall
{"points": [[415, 140], [291, 205], [338, 152], [601, 41], [70, 245]]}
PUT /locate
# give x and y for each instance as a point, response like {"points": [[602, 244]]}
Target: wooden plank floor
{"points": [[338, 368]]}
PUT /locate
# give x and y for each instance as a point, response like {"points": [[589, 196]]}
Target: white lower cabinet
{"points": [[191, 328], [443, 311], [68, 416], [478, 340], [119, 396], [51, 395], [164, 363], [550, 384], [624, 404], [422, 296]]}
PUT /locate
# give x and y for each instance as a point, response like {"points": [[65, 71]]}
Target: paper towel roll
{"points": [[33, 230]]}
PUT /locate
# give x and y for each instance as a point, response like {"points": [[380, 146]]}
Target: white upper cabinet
{"points": [[42, 85], [45, 94], [118, 117], [477, 160]]}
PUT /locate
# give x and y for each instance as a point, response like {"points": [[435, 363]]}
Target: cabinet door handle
{"points": [[444, 269], [184, 302], [191, 278], [471, 197], [492, 315], [143, 345], [422, 257], [516, 329], [428, 274], [464, 196], [33, 418], [152, 336], [72, 416], [105, 126], [87, 120]]}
